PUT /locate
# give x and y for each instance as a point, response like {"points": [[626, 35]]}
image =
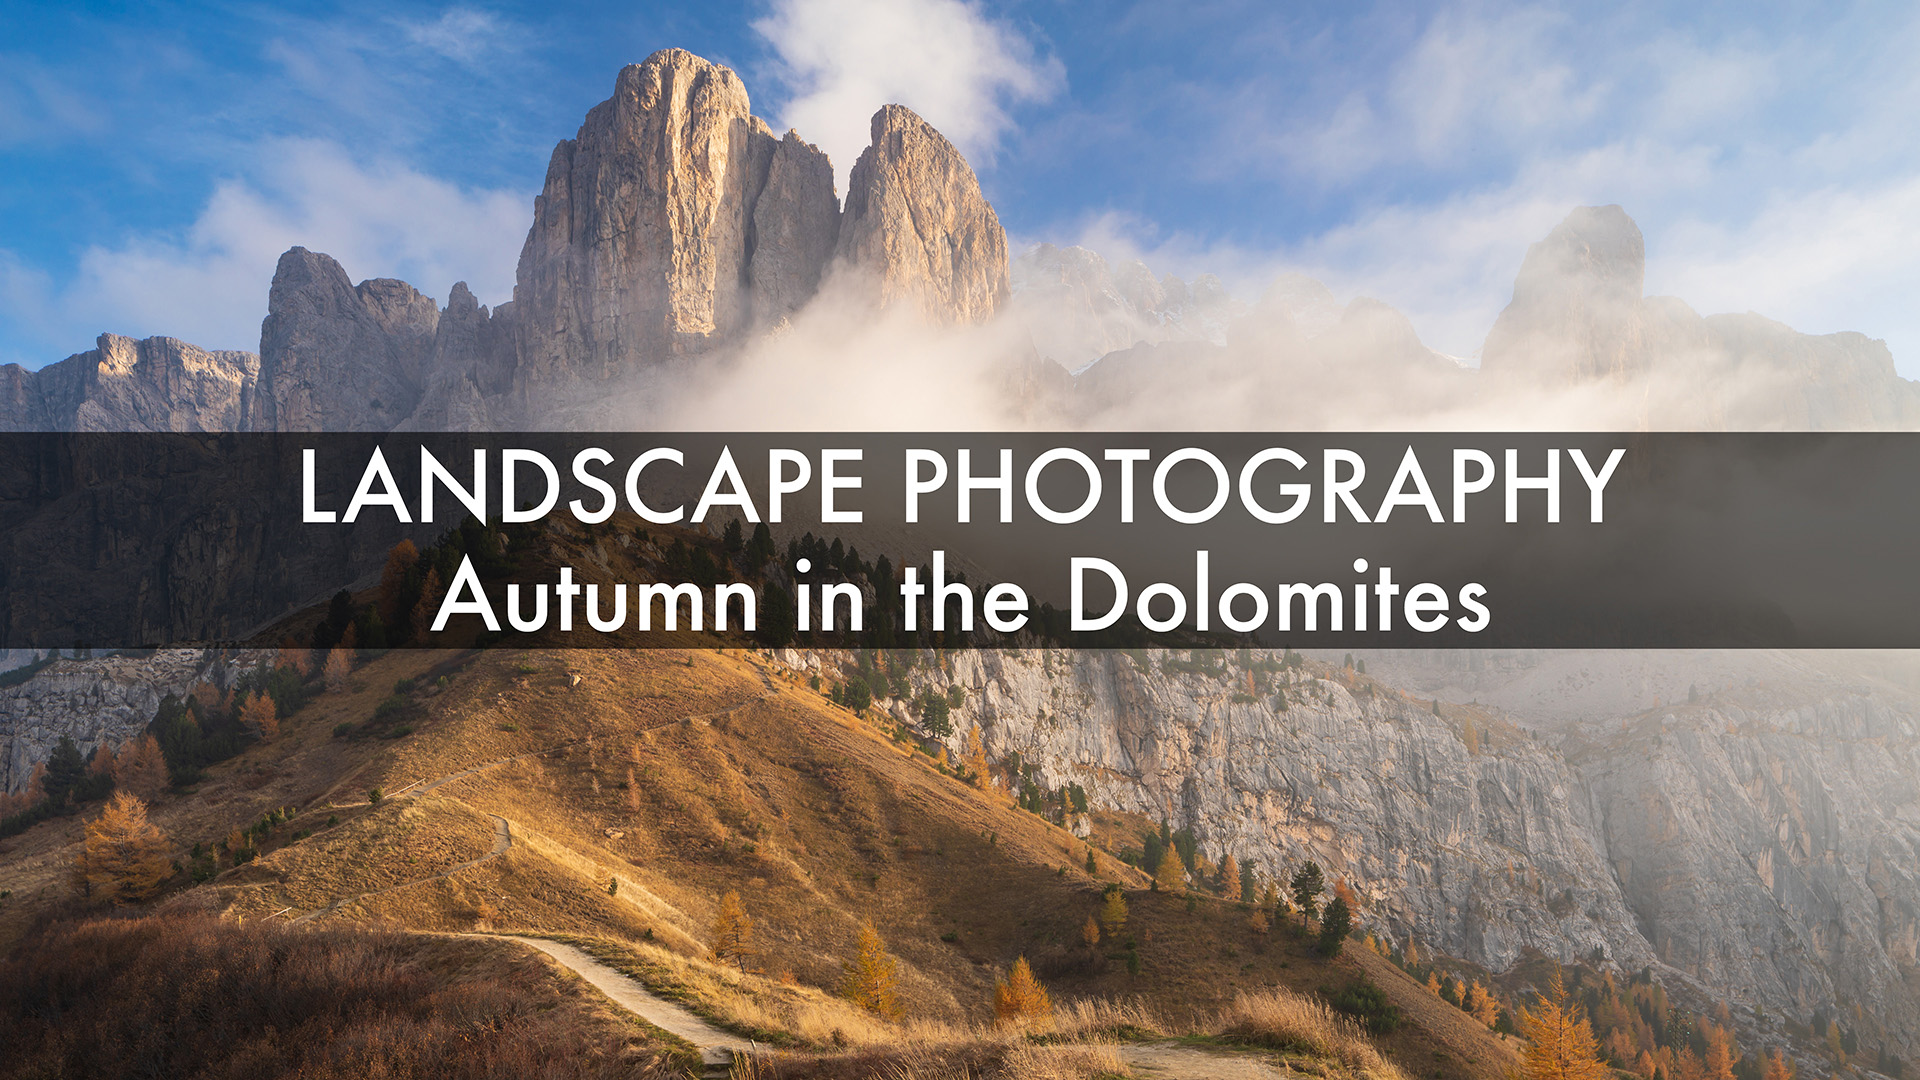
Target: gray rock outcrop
{"points": [[155, 384], [335, 356], [916, 230]]}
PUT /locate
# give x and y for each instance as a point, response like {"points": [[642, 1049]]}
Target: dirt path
{"points": [[717, 1047], [1172, 1061]]}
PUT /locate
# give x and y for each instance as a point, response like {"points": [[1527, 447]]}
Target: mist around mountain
{"points": [[1742, 829]]}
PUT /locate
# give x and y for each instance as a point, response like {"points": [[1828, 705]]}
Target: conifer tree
{"points": [[1560, 1044], [1778, 1067], [1020, 998], [870, 979], [1270, 898], [393, 581], [1335, 925], [1258, 921], [1113, 912], [1090, 932], [1485, 1009], [1230, 875], [1308, 884], [975, 757], [65, 768], [124, 856], [428, 608], [1170, 876], [1093, 867], [140, 768], [732, 931], [259, 716], [1720, 1053], [338, 668]]}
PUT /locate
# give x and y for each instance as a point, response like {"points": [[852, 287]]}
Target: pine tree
{"points": [[259, 716], [1335, 926], [65, 767], [140, 769], [1229, 874], [1020, 998], [732, 931], [1090, 932], [393, 582], [870, 980], [1308, 884], [1248, 884], [1270, 898], [1093, 867], [125, 855], [1560, 1044], [1113, 912]]}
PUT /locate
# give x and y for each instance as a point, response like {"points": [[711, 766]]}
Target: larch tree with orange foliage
{"points": [[140, 768], [1230, 876], [1113, 911], [1721, 1053], [1019, 998], [1482, 1005], [732, 931], [431, 590], [871, 979], [975, 759], [1090, 932], [1171, 875], [1779, 1066], [260, 716], [124, 856], [339, 667], [1560, 1042]]}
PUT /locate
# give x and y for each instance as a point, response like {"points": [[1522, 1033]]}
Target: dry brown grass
{"points": [[188, 994], [1279, 1019]]}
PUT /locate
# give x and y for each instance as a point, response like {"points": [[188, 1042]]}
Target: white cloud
{"points": [[840, 60], [458, 34], [208, 285]]}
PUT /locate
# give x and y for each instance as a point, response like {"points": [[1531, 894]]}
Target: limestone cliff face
{"points": [[335, 356], [157, 384], [94, 702], [641, 235], [917, 230], [796, 222], [1761, 845]]}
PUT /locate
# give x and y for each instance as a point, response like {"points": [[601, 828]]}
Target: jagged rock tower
{"points": [[674, 224]]}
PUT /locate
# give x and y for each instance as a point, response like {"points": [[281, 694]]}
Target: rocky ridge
{"points": [[155, 384], [1760, 846]]}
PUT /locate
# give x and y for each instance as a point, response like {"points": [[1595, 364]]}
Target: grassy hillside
{"points": [[612, 798]]}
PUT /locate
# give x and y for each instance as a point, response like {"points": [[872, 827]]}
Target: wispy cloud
{"points": [[208, 284], [840, 60]]}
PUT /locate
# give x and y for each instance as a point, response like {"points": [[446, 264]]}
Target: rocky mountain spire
{"points": [[1576, 312], [916, 227], [335, 356]]}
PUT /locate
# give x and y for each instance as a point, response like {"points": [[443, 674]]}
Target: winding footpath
{"points": [[717, 1047]]}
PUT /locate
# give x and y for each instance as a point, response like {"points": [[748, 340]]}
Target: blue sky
{"points": [[157, 158]]}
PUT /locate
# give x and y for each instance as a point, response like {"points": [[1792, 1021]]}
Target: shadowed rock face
{"points": [[159, 384], [335, 356], [916, 226]]}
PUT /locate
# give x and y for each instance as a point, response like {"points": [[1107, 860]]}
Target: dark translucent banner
{"points": [[1081, 540]]}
